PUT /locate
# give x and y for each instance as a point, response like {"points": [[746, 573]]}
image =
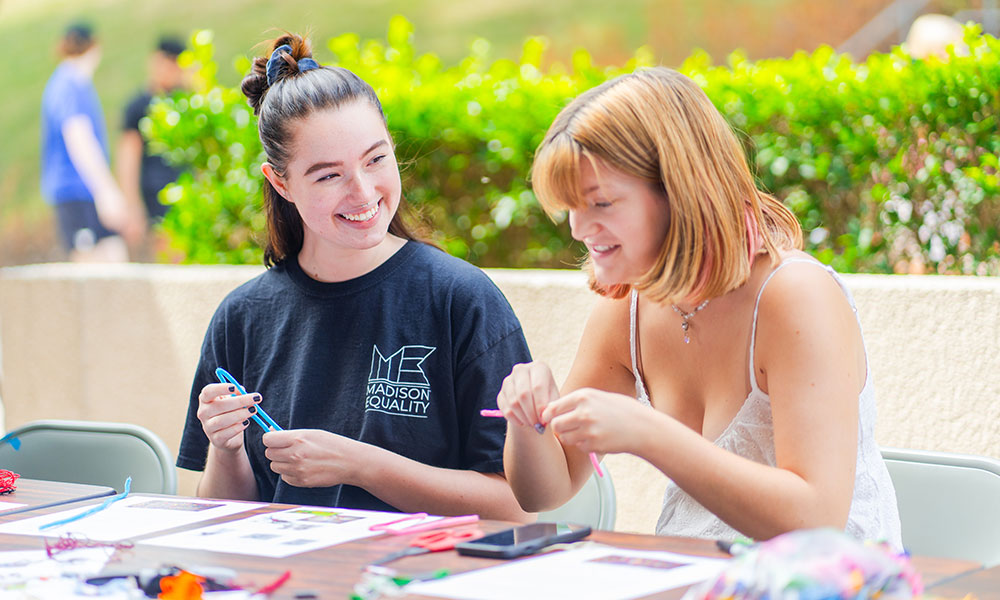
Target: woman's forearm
{"points": [[228, 475], [759, 500]]}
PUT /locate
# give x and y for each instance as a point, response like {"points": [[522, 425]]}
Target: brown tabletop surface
{"points": [[333, 571], [36, 493], [983, 584]]}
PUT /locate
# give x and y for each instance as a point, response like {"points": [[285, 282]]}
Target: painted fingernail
{"points": [[539, 428], [252, 409], [256, 398], [232, 388], [247, 422]]}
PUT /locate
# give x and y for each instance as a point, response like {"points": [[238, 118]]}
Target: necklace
{"points": [[685, 316]]}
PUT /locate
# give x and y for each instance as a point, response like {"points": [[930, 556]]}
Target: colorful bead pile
{"points": [[815, 564]]}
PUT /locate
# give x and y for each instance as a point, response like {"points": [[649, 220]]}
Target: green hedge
{"points": [[890, 164]]}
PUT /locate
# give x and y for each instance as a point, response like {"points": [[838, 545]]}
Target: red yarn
{"points": [[68, 542], [7, 479]]}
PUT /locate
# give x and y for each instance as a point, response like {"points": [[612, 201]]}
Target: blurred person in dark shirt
{"points": [[142, 175]]}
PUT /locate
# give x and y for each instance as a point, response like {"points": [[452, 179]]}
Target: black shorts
{"points": [[79, 225]]}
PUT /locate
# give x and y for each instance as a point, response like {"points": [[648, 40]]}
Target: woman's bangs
{"points": [[555, 175]]}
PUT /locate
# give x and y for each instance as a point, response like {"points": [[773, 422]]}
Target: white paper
{"points": [[131, 517], [10, 505], [25, 565], [280, 534], [592, 572]]}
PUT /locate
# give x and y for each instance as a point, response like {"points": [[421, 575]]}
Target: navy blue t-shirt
{"points": [[403, 357]]}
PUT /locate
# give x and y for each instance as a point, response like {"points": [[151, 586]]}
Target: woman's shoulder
{"points": [[797, 276], [801, 296], [258, 290], [443, 270]]}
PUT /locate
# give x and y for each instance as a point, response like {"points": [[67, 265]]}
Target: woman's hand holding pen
{"points": [[224, 416], [528, 389], [313, 457], [595, 420]]}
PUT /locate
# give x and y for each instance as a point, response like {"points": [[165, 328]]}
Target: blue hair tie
{"points": [[274, 63], [307, 64]]}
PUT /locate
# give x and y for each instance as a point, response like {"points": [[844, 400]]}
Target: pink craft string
{"points": [[7, 479], [69, 542]]}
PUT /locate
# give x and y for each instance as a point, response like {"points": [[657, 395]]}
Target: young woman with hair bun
{"points": [[720, 352], [372, 349]]}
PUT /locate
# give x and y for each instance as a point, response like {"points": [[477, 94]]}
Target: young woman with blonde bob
{"points": [[720, 352]]}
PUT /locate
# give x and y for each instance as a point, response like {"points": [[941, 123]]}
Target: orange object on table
{"points": [[182, 586]]}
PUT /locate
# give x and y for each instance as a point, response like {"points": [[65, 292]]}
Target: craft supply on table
{"points": [[268, 423], [424, 522], [432, 541], [585, 572], [131, 517], [813, 563], [288, 532], [95, 509], [7, 479]]}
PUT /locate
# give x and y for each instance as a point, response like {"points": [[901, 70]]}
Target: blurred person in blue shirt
{"points": [[94, 216]]}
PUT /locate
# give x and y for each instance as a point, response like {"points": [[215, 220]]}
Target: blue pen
{"points": [[268, 423]]}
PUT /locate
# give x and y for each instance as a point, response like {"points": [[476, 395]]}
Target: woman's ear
{"points": [[276, 180]]}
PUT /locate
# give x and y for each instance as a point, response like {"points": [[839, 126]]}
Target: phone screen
{"points": [[522, 540], [525, 533]]}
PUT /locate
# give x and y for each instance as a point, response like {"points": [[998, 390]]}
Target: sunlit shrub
{"points": [[890, 164]]}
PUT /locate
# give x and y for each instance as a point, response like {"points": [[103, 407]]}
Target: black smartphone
{"points": [[526, 539]]}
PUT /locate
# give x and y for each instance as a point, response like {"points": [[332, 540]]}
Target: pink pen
{"points": [[422, 524], [597, 466], [486, 412]]}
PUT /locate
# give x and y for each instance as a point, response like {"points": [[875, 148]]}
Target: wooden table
{"points": [[984, 584], [332, 572], [36, 493]]}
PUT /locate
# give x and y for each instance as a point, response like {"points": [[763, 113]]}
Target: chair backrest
{"points": [[91, 452], [593, 505], [949, 504]]}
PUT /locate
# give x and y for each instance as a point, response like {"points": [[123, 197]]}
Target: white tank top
{"points": [[873, 514]]}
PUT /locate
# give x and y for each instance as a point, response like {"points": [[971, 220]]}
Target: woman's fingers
{"points": [[223, 415], [524, 393]]}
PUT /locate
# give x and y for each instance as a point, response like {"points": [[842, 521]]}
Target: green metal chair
{"points": [[593, 505], [91, 452], [949, 504]]}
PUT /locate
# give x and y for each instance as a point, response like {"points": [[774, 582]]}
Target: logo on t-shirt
{"points": [[397, 384]]}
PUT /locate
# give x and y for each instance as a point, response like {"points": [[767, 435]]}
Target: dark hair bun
{"points": [[255, 84]]}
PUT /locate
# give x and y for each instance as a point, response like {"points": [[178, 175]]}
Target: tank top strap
{"points": [[633, 333], [756, 306]]}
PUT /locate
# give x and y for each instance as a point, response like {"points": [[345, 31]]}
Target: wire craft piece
{"points": [[268, 423], [69, 542], [90, 511], [7, 479]]}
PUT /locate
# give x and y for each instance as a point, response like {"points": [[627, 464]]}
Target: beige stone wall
{"points": [[120, 343]]}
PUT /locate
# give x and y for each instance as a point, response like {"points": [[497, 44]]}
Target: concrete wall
{"points": [[120, 343]]}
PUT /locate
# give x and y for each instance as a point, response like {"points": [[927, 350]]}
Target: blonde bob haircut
{"points": [[659, 126]]}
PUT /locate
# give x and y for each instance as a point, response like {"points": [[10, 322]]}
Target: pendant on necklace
{"points": [[684, 326]]}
